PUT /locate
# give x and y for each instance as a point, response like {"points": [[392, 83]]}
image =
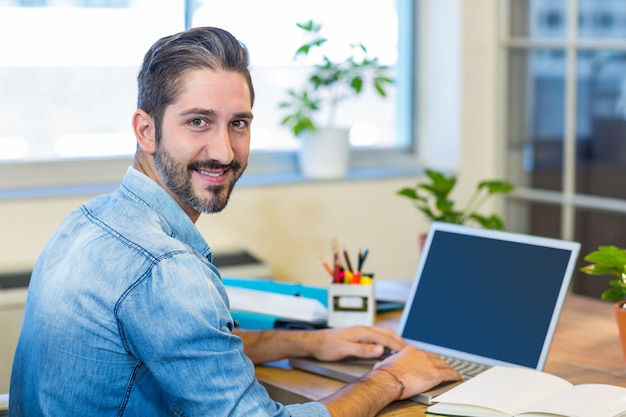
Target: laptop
{"points": [[479, 296]]}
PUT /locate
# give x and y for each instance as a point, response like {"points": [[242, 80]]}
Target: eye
{"points": [[197, 122], [240, 123]]}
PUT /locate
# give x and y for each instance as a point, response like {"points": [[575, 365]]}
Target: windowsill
{"points": [[353, 175], [248, 180]]}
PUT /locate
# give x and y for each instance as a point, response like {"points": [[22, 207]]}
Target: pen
{"points": [[362, 257], [347, 258], [327, 267], [336, 267]]}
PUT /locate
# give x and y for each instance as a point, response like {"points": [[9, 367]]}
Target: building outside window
{"points": [[565, 130]]}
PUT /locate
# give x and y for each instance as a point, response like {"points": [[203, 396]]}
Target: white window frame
{"points": [[84, 176]]}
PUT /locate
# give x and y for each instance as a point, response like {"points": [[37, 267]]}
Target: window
{"points": [[69, 66], [565, 84]]}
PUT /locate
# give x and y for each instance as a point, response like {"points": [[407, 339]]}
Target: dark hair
{"points": [[166, 62]]}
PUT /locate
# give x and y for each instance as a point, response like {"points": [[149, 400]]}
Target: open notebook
{"points": [[479, 295]]}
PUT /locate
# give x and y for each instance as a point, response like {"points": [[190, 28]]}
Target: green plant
{"points": [[331, 82], [609, 260], [433, 199]]}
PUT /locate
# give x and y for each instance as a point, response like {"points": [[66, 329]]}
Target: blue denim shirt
{"points": [[126, 316]]}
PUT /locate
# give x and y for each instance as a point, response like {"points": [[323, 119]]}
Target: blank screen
{"points": [[488, 297]]}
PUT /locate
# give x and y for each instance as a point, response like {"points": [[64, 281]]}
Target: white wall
{"points": [[481, 141], [439, 83], [289, 226]]}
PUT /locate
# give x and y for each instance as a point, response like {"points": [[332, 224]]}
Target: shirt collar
{"points": [[175, 221]]}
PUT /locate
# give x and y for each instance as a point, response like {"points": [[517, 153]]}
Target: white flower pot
{"points": [[325, 154]]}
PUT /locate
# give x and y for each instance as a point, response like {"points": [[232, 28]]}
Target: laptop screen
{"points": [[488, 296]]}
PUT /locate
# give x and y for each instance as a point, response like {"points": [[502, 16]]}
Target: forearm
{"points": [[364, 398], [328, 344], [269, 345]]}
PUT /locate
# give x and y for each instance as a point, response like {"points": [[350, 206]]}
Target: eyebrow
{"points": [[209, 112]]}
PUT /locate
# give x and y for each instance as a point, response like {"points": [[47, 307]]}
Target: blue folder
{"points": [[248, 320]]}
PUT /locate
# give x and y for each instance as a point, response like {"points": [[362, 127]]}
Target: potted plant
{"points": [[433, 199], [330, 83], [611, 260]]}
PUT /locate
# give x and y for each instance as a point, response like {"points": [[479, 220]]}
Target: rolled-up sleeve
{"points": [[312, 409], [176, 321]]}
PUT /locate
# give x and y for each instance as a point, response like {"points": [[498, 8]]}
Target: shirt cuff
{"points": [[312, 409]]}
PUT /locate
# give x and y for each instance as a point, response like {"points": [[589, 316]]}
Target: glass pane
{"points": [[538, 18], [541, 219], [601, 123], [593, 229], [602, 19], [67, 89], [536, 118], [372, 119]]}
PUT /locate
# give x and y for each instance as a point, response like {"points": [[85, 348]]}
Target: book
{"points": [[512, 392]]}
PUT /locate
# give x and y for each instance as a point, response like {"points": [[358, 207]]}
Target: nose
{"points": [[219, 147]]}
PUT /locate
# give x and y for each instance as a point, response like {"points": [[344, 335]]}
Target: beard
{"points": [[177, 177]]}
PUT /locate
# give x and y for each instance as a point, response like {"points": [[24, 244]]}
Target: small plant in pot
{"points": [[611, 260], [330, 83], [432, 198]]}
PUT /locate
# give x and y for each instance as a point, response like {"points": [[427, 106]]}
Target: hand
{"points": [[418, 370], [358, 341]]}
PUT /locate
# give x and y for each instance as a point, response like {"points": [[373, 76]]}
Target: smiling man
{"points": [[202, 147], [126, 314]]}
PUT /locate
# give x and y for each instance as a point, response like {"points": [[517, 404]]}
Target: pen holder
{"points": [[351, 305]]}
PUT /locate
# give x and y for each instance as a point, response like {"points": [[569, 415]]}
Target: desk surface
{"points": [[585, 349]]}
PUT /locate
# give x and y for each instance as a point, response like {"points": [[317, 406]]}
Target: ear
{"points": [[143, 126]]}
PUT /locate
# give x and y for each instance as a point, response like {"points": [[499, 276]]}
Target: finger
{"points": [[381, 336], [450, 374], [389, 333], [367, 350], [445, 367], [439, 362], [436, 358]]}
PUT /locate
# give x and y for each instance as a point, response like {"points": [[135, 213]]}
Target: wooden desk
{"points": [[585, 349]]}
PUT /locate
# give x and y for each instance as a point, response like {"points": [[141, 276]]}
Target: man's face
{"points": [[205, 139]]}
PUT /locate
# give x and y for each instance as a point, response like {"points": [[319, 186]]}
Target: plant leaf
{"points": [[491, 222], [607, 260], [408, 192], [496, 186], [614, 294], [357, 84]]}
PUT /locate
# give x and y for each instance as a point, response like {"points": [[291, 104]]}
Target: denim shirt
{"points": [[126, 316]]}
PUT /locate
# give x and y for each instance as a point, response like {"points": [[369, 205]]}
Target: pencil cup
{"points": [[351, 305]]}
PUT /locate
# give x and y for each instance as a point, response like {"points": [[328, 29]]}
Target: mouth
{"points": [[213, 175]]}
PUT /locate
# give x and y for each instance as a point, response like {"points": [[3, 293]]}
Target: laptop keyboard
{"points": [[467, 369]]}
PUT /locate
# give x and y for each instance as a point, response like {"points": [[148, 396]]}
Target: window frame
{"points": [[92, 175], [568, 200]]}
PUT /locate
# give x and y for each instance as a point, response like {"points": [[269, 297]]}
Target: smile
{"points": [[211, 173]]}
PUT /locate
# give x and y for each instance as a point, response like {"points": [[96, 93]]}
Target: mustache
{"points": [[213, 165]]}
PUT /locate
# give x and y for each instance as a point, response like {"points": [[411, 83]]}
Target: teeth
{"points": [[211, 174]]}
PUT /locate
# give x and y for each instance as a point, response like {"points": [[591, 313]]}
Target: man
{"points": [[127, 316]]}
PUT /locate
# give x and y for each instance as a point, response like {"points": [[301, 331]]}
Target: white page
{"points": [[588, 400], [506, 389]]}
